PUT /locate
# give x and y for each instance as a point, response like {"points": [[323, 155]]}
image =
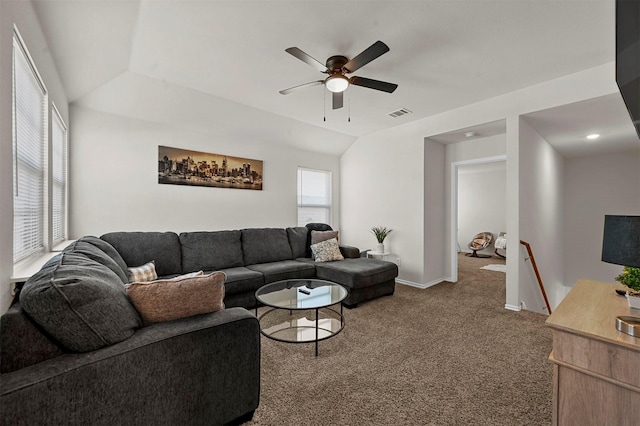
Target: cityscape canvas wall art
{"points": [[184, 167]]}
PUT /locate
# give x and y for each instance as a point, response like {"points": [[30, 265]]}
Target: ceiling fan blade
{"points": [[338, 100], [304, 57], [369, 54], [294, 88], [373, 84]]}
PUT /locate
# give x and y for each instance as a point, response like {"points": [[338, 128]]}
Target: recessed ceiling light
{"points": [[593, 136], [470, 134]]}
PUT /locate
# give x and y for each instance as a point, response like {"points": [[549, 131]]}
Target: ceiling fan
{"points": [[338, 67]]}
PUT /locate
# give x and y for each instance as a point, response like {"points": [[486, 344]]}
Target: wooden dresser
{"points": [[596, 371]]}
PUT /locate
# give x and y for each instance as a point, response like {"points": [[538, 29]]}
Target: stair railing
{"points": [[535, 269]]}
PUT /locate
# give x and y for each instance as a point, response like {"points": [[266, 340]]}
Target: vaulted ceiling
{"points": [[134, 57]]}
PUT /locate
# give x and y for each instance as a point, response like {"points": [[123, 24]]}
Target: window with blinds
{"points": [[314, 196], [29, 154], [58, 177]]}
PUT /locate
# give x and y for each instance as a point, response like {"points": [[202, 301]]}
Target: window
{"points": [[29, 154], [314, 196], [58, 178]]}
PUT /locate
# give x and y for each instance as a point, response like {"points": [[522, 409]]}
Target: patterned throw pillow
{"points": [[326, 251], [320, 236], [180, 297], [146, 272], [189, 275]]}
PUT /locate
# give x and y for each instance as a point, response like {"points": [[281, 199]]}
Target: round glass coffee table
{"points": [[292, 302]]}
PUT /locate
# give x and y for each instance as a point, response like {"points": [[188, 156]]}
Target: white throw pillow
{"points": [[326, 251]]}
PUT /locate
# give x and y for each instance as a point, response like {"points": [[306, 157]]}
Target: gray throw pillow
{"points": [[108, 249], [320, 236], [84, 247], [81, 303]]}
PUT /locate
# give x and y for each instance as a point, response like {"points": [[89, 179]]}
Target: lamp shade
{"points": [[337, 83], [621, 240]]}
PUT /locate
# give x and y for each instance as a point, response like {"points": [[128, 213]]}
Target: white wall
{"points": [[22, 15], [435, 230], [115, 188], [593, 187], [382, 181], [482, 191], [541, 219]]}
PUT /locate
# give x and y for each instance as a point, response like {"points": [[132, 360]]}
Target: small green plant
{"points": [[381, 233], [630, 277]]}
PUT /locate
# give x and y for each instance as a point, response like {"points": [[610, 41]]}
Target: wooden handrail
{"points": [[535, 269]]}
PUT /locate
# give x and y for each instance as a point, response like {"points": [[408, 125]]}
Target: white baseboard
{"points": [[512, 307], [420, 285]]}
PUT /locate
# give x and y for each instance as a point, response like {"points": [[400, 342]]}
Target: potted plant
{"points": [[630, 278], [381, 233]]}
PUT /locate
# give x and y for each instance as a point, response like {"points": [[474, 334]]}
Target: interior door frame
{"points": [[453, 231]]}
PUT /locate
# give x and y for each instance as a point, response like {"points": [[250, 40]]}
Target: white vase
{"points": [[380, 248], [634, 301]]}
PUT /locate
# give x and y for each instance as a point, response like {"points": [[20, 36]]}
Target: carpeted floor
{"points": [[447, 355]]}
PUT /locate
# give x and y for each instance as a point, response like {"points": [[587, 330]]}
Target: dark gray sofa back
{"points": [[211, 251], [138, 248], [298, 241], [264, 245]]}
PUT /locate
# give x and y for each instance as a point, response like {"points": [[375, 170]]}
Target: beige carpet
{"points": [[447, 355]]}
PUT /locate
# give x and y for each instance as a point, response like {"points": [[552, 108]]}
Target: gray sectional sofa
{"points": [[254, 257], [74, 359]]}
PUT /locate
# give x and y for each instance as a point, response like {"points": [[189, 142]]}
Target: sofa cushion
{"points": [[263, 245], [82, 246], [146, 272], [298, 240], [357, 273], [180, 297], [138, 248], [22, 343], [241, 279], [284, 270], [211, 251], [81, 303], [326, 251]]}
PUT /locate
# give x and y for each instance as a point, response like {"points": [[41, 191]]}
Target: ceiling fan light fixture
{"points": [[337, 83]]}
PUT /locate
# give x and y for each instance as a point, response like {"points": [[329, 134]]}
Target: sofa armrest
{"points": [[350, 252], [202, 369]]}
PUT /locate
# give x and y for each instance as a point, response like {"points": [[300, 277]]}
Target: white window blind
{"points": [[314, 196], [58, 178], [29, 142]]}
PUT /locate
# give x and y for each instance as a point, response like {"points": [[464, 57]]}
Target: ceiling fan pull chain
{"points": [[324, 105], [349, 119]]}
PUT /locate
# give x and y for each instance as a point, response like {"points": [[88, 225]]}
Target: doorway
{"points": [[478, 192]]}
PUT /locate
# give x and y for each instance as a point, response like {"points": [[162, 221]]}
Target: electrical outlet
{"points": [[398, 261]]}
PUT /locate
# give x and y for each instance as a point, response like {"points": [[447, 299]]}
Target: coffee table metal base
{"points": [[282, 325]]}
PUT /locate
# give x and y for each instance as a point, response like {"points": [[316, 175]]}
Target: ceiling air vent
{"points": [[400, 112]]}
